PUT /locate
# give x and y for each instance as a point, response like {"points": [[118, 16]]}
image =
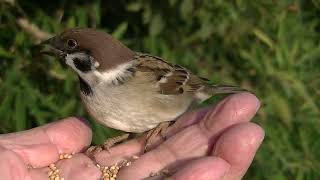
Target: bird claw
{"points": [[110, 142], [93, 150], [151, 136], [162, 174]]}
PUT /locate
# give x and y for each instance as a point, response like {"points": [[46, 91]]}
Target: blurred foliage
{"points": [[269, 47]]}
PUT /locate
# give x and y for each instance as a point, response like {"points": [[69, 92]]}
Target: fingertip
{"points": [[243, 103], [236, 108], [42, 145], [69, 135], [79, 166], [82, 119], [238, 146], [249, 99], [204, 168], [242, 137], [11, 165]]}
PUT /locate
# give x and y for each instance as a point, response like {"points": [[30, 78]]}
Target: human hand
{"points": [[208, 144]]}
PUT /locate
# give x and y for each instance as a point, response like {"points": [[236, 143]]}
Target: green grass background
{"points": [[270, 47]]}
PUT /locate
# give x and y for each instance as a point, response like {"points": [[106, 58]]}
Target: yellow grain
{"points": [[61, 156], [65, 156], [50, 173], [56, 171]]}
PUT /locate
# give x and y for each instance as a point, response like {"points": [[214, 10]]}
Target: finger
{"points": [[238, 103], [238, 146], [78, 167], [192, 117], [237, 109], [182, 122], [11, 165], [118, 153], [196, 140], [40, 146], [205, 168], [249, 105]]}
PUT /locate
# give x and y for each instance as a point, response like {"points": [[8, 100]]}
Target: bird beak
{"points": [[46, 47]]}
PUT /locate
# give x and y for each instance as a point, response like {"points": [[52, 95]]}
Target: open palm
{"points": [[209, 144]]}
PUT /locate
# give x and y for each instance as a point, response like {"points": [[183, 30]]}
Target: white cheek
{"points": [[111, 75], [69, 61]]}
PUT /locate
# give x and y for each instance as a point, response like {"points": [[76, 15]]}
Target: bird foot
{"points": [[110, 142], [162, 174], [151, 136]]}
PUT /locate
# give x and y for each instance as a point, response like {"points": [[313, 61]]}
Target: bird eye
{"points": [[72, 43]]}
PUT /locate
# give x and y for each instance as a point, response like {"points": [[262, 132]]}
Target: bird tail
{"points": [[224, 89]]}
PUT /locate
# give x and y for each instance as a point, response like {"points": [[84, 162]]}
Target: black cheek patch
{"points": [[84, 65], [84, 87]]}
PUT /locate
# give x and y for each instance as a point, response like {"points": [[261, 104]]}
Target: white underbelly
{"points": [[133, 111]]}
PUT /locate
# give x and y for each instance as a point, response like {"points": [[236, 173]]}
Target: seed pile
{"points": [[65, 156], [54, 171], [110, 172]]}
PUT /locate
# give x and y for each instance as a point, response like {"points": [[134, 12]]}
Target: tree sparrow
{"points": [[126, 90]]}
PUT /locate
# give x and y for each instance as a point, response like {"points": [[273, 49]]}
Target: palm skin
{"points": [[215, 143]]}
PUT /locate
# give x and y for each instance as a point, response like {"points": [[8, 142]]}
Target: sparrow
{"points": [[127, 90]]}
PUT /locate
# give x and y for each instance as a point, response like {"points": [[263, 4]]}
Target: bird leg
{"points": [[162, 174], [92, 150], [114, 140], [153, 133]]}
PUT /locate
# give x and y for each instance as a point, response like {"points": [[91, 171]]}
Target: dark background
{"points": [[269, 47]]}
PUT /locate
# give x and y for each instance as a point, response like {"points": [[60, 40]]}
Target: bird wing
{"points": [[172, 79]]}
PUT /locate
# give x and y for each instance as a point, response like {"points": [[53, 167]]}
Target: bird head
{"points": [[86, 50]]}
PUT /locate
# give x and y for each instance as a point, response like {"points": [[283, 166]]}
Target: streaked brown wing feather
{"points": [[172, 79]]}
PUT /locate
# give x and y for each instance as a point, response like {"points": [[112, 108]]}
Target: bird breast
{"points": [[133, 106]]}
